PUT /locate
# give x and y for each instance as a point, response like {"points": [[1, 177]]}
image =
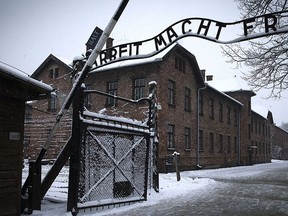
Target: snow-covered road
{"points": [[249, 190]]}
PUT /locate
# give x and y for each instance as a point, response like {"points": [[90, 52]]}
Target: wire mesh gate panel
{"points": [[113, 165]]}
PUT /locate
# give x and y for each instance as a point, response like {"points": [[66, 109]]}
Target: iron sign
{"points": [[208, 29]]}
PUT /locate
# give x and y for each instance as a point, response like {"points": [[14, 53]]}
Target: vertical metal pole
{"points": [[75, 154], [154, 138]]}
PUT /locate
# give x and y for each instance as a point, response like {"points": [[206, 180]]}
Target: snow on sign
{"points": [[208, 29]]}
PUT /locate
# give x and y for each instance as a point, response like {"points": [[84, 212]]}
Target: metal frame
{"points": [[87, 123]]}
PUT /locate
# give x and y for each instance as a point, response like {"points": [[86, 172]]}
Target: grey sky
{"points": [[32, 29]]}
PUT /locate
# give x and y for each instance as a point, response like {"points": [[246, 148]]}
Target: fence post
{"points": [[154, 139], [75, 152], [34, 200], [175, 160]]}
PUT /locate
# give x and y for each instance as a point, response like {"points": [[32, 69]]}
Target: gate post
{"points": [[154, 139], [75, 152]]}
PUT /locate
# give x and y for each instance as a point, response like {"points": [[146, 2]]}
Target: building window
{"points": [[211, 142], [171, 136], [235, 145], [252, 124], [228, 144], [220, 112], [235, 116], [211, 108], [256, 124], [220, 143], [201, 140], [52, 104], [180, 64], [139, 86], [112, 89], [187, 138], [28, 112], [87, 99], [228, 115], [187, 99], [201, 103], [171, 92], [54, 73]]}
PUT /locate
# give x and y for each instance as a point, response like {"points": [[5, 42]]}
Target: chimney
{"points": [[109, 44], [203, 71], [209, 77]]}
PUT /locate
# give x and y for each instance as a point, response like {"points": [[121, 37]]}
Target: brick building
{"points": [[41, 115], [220, 135], [279, 143]]}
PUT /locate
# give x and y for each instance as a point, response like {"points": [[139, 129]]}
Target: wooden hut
{"points": [[16, 88]]}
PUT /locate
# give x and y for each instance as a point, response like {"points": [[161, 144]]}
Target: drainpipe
{"points": [[198, 126]]}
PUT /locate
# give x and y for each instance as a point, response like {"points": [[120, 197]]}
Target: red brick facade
{"points": [[224, 122]]}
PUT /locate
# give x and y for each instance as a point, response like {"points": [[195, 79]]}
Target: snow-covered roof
{"points": [[21, 76], [229, 84], [133, 62], [261, 110], [60, 60], [64, 60], [225, 95]]}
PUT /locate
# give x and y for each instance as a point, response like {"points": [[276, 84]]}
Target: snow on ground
{"points": [[195, 182]]}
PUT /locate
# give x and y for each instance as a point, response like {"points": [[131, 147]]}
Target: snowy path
{"points": [[249, 190]]}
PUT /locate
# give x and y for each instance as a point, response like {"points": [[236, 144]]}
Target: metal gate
{"points": [[113, 164], [116, 159]]}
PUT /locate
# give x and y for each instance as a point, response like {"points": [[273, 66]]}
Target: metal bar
{"points": [[87, 67], [74, 169], [56, 168], [115, 96]]}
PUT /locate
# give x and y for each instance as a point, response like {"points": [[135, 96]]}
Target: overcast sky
{"points": [[32, 29]]}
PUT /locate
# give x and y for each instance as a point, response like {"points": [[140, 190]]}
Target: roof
{"points": [[66, 63], [154, 59], [260, 110], [14, 74], [134, 62], [225, 95]]}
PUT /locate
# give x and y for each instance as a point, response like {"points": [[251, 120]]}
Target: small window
{"points": [[28, 112], [201, 140], [220, 143], [211, 108], [235, 117], [228, 144], [171, 92], [180, 64], [187, 99], [112, 89], [228, 115], [52, 104], [139, 86], [220, 112], [187, 138], [171, 136], [87, 99], [201, 103], [235, 145], [211, 142], [54, 73]]}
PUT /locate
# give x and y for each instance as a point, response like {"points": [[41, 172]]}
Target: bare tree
{"points": [[266, 58], [284, 126]]}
